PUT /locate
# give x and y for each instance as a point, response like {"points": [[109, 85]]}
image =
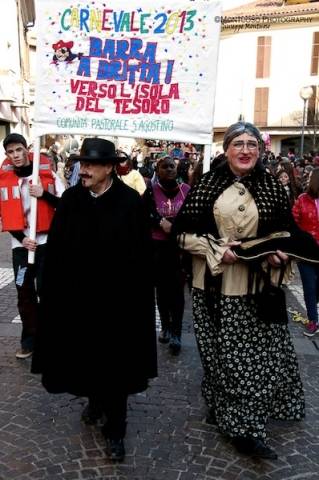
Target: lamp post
{"points": [[305, 93]]}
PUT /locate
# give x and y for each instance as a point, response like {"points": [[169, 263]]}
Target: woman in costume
{"points": [[250, 367]]}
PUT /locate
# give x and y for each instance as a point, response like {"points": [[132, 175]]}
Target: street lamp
{"points": [[305, 93]]}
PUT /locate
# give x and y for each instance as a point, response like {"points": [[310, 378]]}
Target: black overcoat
{"points": [[97, 324]]}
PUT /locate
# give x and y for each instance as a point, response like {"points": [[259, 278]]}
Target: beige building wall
{"points": [[16, 16], [290, 66]]}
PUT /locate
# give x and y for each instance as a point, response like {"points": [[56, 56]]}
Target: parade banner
{"points": [[135, 68]]}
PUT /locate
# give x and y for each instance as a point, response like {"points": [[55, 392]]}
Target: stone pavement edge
{"points": [[42, 437]]}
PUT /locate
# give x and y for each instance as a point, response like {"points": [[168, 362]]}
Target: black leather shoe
{"points": [[117, 450], [254, 447], [211, 417], [175, 345], [164, 336], [91, 414]]}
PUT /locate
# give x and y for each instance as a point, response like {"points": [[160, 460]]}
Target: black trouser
{"points": [[169, 282], [28, 280], [114, 406]]}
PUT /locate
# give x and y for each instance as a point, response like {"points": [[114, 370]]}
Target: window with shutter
{"points": [[263, 57], [312, 107], [315, 54], [261, 106]]}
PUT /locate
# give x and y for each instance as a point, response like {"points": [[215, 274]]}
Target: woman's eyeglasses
{"points": [[251, 146]]}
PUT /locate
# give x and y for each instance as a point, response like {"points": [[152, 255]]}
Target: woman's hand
{"points": [[166, 225], [229, 256], [277, 259]]}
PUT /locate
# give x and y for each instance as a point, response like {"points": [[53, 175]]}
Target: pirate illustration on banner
{"points": [[63, 53]]}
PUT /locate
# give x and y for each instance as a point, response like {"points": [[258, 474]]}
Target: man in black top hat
{"points": [[102, 343]]}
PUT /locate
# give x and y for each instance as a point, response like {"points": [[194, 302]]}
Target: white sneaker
{"points": [[24, 353]]}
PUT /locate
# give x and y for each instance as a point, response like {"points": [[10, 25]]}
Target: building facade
{"points": [[269, 50], [17, 16]]}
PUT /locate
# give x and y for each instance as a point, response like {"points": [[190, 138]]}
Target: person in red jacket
{"points": [[306, 214], [15, 201]]}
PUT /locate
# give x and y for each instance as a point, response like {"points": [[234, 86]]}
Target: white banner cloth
{"points": [[144, 69]]}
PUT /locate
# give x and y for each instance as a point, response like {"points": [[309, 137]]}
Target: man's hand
{"points": [[36, 190], [277, 259], [29, 244], [229, 256]]}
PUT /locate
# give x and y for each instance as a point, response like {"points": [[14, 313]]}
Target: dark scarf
{"points": [[196, 215], [24, 171], [170, 188]]}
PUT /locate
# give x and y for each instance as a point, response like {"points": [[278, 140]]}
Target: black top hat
{"points": [[98, 150], [299, 245]]}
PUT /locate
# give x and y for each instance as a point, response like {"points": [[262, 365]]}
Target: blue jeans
{"points": [[309, 274], [28, 280]]}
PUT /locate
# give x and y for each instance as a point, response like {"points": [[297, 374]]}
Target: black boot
{"points": [[254, 447], [175, 344], [117, 450], [211, 417], [91, 413], [164, 336]]}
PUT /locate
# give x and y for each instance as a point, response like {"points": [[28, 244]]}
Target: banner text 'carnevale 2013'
{"points": [[122, 21]]}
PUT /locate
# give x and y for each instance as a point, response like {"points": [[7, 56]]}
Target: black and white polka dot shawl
{"points": [[196, 215]]}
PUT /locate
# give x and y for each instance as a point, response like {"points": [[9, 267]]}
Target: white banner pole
{"points": [[34, 203], [207, 155]]}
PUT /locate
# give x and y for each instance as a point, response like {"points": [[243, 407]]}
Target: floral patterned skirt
{"points": [[250, 368]]}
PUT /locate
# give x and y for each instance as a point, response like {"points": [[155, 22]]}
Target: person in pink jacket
{"points": [[163, 199], [306, 214]]}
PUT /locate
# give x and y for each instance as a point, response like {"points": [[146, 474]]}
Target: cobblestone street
{"points": [[42, 437]]}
